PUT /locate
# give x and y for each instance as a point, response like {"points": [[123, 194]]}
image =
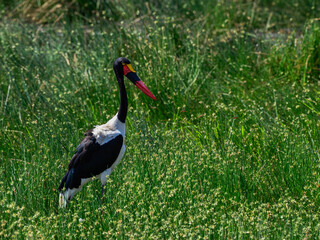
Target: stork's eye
{"points": [[126, 70]]}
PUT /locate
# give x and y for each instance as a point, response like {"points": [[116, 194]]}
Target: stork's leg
{"points": [[103, 179], [102, 192], [101, 200]]}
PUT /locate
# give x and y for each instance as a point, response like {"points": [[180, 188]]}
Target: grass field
{"points": [[230, 150]]}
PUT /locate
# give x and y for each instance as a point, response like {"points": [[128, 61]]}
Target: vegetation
{"points": [[229, 150]]}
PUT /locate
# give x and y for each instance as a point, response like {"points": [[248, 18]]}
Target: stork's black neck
{"points": [[122, 113]]}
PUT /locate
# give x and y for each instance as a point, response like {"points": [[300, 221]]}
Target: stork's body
{"points": [[103, 146]]}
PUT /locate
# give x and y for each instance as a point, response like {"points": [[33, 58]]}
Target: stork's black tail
{"points": [[63, 181]]}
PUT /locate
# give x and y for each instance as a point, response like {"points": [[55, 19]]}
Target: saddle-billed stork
{"points": [[103, 146]]}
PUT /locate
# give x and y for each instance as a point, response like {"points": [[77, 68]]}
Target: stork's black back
{"points": [[91, 159]]}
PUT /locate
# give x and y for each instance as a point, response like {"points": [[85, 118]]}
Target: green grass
{"points": [[229, 151]]}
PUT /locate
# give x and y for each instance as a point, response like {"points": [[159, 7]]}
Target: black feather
{"points": [[91, 159]]}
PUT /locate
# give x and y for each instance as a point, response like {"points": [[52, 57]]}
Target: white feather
{"points": [[106, 132]]}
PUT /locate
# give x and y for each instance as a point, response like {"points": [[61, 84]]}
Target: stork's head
{"points": [[122, 66]]}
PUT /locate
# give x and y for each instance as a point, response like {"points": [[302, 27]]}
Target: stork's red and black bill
{"points": [[133, 77]]}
